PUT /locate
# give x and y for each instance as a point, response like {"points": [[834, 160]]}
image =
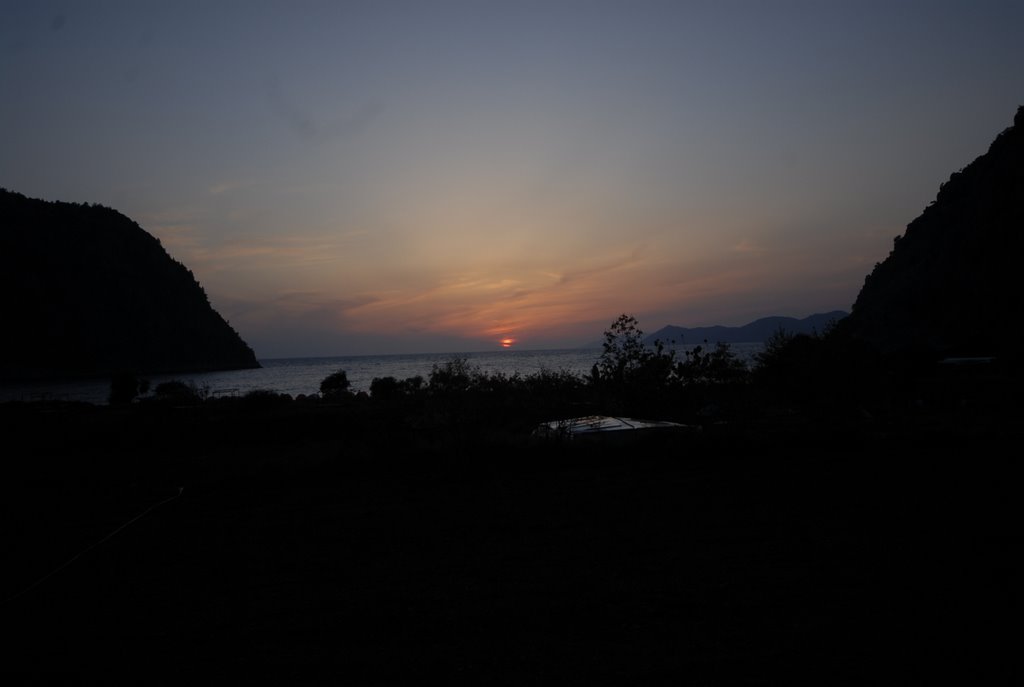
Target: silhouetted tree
{"points": [[177, 392], [125, 386], [335, 385], [718, 365], [390, 388], [454, 375], [627, 360], [265, 398]]}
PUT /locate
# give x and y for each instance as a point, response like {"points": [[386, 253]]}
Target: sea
{"points": [[295, 376]]}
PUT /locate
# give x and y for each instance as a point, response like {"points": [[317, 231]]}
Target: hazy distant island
{"points": [[757, 331], [87, 292]]}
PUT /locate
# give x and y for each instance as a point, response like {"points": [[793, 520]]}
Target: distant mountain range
{"points": [[85, 291], [756, 331]]}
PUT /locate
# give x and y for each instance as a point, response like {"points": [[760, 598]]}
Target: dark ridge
{"points": [[950, 284], [87, 292], [758, 330]]}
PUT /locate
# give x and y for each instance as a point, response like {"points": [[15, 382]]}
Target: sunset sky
{"points": [[379, 177]]}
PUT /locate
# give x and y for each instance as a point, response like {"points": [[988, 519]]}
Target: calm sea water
{"points": [[303, 375]]}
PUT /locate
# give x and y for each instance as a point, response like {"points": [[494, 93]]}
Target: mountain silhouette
{"points": [[951, 283], [87, 292], [758, 330]]}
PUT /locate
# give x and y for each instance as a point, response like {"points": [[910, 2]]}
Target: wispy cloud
{"points": [[504, 302], [749, 246], [306, 122], [297, 310], [197, 247], [224, 187]]}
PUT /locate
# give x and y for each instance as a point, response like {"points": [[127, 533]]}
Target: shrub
{"points": [[390, 388], [125, 386], [266, 398], [180, 393], [455, 375], [335, 385], [716, 366], [627, 361]]}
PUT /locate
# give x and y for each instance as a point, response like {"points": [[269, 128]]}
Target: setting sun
{"points": [[507, 343]]}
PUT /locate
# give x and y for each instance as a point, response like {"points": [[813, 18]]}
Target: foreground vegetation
{"points": [[837, 510], [822, 379]]}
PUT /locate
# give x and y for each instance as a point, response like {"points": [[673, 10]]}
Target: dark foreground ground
{"points": [[756, 555]]}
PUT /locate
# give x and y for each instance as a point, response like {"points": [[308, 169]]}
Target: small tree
{"points": [[124, 387], [628, 360], [390, 388], [454, 376], [178, 392], [776, 349], [335, 385], [715, 366]]}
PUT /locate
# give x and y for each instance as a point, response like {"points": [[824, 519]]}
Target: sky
{"points": [[349, 178]]}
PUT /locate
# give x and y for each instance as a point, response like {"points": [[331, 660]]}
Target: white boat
{"points": [[598, 425]]}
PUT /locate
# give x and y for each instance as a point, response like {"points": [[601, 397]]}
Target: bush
{"points": [[389, 388], [454, 376], [628, 362], [266, 398], [125, 386], [335, 385], [179, 393], [716, 366], [821, 370]]}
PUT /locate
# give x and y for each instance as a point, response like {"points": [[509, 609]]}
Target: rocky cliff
{"points": [[951, 284], [85, 291]]}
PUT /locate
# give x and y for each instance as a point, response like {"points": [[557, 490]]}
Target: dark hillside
{"points": [[758, 330], [86, 291], [951, 284]]}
